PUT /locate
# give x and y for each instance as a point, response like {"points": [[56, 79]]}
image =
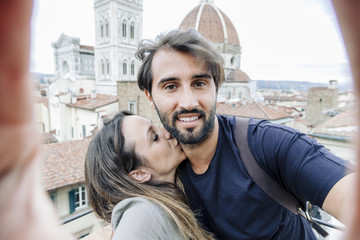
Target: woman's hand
{"points": [[25, 210]]}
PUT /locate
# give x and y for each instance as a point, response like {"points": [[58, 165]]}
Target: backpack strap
{"points": [[261, 178]]}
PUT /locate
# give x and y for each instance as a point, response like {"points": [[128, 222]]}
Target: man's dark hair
{"points": [[189, 42]]}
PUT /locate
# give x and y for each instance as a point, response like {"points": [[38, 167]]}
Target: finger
{"points": [[15, 89]]}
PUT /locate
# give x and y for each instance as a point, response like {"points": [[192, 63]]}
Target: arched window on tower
{"points": [[65, 67], [102, 67], [124, 26], [125, 67], [107, 66], [107, 29], [232, 61], [101, 30], [132, 68], [132, 30]]}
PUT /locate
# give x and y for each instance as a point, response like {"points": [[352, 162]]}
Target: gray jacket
{"points": [[139, 218]]}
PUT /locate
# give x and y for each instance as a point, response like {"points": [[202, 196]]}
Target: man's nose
{"points": [[188, 99]]}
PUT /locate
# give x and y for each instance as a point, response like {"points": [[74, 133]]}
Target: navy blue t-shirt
{"points": [[229, 203]]}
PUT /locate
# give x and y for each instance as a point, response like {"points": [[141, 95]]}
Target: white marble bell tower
{"points": [[118, 30]]}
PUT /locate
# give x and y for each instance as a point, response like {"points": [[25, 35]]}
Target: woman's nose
{"points": [[165, 133]]}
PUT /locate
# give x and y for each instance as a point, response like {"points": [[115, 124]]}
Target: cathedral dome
{"points": [[211, 23], [238, 76]]}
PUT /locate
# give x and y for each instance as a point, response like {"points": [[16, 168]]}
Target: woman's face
{"points": [[161, 152]]}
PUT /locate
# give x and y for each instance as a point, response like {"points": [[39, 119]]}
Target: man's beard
{"points": [[189, 137]]}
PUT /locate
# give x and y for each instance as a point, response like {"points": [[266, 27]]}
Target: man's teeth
{"points": [[188, 119]]}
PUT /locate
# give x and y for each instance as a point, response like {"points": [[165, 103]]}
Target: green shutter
{"points": [[72, 200]]}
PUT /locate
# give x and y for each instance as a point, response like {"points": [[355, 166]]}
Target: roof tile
{"points": [[63, 163], [250, 109], [87, 102]]}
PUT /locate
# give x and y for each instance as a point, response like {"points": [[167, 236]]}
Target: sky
{"points": [[280, 39]]}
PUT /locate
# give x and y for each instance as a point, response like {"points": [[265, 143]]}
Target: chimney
{"points": [[73, 98], [101, 115], [93, 93], [333, 84]]}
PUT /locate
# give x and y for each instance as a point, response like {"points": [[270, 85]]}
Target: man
{"points": [[180, 75]]}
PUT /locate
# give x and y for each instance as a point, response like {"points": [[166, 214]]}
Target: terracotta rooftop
{"points": [[320, 89], [285, 98], [86, 47], [211, 23], [238, 75], [250, 109], [303, 121], [63, 163], [86, 102], [344, 124], [46, 138]]}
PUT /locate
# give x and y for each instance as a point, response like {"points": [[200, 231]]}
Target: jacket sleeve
{"points": [[143, 220]]}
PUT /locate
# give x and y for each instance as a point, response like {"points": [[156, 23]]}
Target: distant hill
{"points": [[296, 85], [42, 77]]}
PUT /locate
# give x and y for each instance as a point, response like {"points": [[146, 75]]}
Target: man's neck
{"points": [[200, 155]]}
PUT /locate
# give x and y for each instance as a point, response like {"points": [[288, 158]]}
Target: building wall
{"points": [[42, 117], [318, 101], [78, 117], [237, 90], [57, 107], [82, 226], [61, 202], [68, 121], [128, 91], [86, 63]]}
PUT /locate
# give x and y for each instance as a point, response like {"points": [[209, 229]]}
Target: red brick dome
{"points": [[238, 76], [211, 23]]}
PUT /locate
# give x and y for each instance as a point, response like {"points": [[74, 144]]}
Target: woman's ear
{"points": [[140, 175]]}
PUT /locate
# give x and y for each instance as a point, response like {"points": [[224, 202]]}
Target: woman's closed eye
{"points": [[156, 137]]}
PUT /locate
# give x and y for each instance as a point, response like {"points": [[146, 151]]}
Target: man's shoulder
{"points": [[230, 122], [256, 127], [226, 121]]}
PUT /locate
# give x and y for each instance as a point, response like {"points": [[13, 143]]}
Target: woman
{"points": [[130, 172]]}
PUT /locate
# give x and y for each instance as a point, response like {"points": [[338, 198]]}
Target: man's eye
{"points": [[156, 137], [199, 84], [170, 87]]}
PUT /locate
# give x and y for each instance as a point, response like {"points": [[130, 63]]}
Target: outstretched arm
{"points": [[347, 12], [26, 212]]}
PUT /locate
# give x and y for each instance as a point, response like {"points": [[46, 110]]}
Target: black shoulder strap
{"points": [[261, 178]]}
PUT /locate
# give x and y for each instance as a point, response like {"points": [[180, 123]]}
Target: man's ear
{"points": [[140, 175], [149, 97]]}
